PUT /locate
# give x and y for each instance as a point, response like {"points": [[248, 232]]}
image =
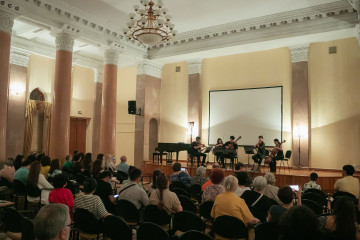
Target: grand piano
{"points": [[171, 148]]}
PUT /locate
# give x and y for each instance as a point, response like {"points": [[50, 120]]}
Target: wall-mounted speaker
{"points": [[132, 107]]}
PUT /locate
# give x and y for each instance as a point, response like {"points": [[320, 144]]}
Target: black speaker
{"points": [[132, 107]]}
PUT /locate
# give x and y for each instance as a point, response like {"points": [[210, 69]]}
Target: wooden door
{"points": [[77, 135]]}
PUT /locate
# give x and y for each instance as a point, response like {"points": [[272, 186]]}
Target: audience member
{"points": [[105, 191], [208, 183], [123, 166], [7, 173], [153, 185], [180, 176], [348, 183], [60, 194], [18, 161], [45, 166], [243, 183], [163, 198], [36, 180], [77, 163], [68, 163], [100, 156], [312, 183], [87, 162], [286, 196], [52, 222], [96, 168], [239, 167], [54, 168], [107, 163], [271, 191], [86, 200], [217, 176], [132, 192], [200, 176], [22, 173]]}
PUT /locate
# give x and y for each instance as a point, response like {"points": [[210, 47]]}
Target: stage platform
{"points": [[327, 178]]}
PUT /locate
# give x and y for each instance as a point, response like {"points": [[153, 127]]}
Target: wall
{"points": [[334, 82]]}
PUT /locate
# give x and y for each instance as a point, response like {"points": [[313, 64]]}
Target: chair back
{"points": [[205, 209], [229, 227], [11, 219], [86, 221], [153, 214], [288, 154], [127, 210], [346, 194], [151, 231], [187, 204], [185, 221], [267, 231], [314, 190], [315, 207], [123, 175], [191, 235], [116, 229], [319, 199], [195, 191], [27, 229], [33, 191], [180, 192], [178, 184], [19, 188]]}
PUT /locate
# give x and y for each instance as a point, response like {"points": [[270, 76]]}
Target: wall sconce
{"points": [[17, 89]]}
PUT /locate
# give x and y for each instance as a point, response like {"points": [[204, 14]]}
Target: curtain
{"points": [[30, 107], [46, 128]]}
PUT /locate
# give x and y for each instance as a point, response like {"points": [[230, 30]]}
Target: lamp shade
{"points": [[149, 38]]}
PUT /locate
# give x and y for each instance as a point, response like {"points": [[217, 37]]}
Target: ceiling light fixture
{"points": [[150, 24]]}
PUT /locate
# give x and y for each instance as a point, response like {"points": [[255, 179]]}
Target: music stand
{"points": [[249, 150]]}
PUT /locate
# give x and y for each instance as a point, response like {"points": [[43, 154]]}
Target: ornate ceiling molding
{"points": [[64, 41], [6, 21], [111, 56], [194, 65], [19, 58], [149, 68], [299, 53]]}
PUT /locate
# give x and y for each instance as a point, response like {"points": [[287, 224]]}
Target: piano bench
{"points": [[159, 156]]}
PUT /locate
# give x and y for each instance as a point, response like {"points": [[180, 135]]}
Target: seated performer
{"points": [[230, 147], [278, 156], [195, 151], [218, 151], [259, 156]]}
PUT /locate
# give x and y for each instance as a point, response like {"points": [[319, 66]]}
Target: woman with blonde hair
{"points": [[107, 163]]}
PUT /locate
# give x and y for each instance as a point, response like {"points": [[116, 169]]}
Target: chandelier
{"points": [[151, 24]]}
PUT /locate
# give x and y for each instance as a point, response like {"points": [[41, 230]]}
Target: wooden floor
{"points": [[327, 178]]}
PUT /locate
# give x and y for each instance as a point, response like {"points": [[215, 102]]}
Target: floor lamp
{"points": [[300, 133], [191, 126]]}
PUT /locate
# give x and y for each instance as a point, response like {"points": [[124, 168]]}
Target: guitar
{"points": [[273, 153], [231, 146]]}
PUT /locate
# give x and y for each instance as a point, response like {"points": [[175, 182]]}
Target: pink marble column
{"points": [[99, 76], [60, 117], [108, 107], [6, 24]]}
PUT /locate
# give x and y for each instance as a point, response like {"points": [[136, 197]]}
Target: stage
{"points": [[327, 178]]}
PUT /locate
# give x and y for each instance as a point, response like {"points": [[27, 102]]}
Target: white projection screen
{"points": [[246, 112]]}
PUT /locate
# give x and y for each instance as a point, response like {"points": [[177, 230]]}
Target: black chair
{"points": [[187, 204], [185, 221], [179, 184], [314, 190], [123, 175], [19, 192], [151, 231], [285, 159], [315, 207], [205, 209], [128, 211], [27, 229], [87, 224], [12, 220], [267, 231], [154, 215], [195, 192], [180, 192], [229, 227], [191, 235], [338, 197], [319, 199], [346, 194], [116, 229]]}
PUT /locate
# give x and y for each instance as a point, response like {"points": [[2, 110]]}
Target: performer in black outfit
{"points": [[230, 150], [279, 155], [195, 151], [219, 151], [260, 155]]}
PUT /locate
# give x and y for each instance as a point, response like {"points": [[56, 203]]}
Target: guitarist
{"points": [[231, 147], [260, 155], [195, 151], [279, 155]]}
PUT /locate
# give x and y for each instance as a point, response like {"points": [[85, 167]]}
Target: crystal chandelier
{"points": [[150, 25]]}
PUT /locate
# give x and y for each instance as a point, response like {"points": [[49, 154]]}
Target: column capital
{"points": [[149, 68], [64, 41], [6, 21], [299, 53], [194, 65], [19, 58], [98, 75], [111, 56]]}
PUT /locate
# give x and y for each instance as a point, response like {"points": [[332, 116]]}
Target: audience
{"points": [[200, 176], [217, 176], [270, 190], [107, 163], [22, 173], [60, 194], [123, 166], [18, 161], [86, 200], [45, 165], [312, 183], [132, 192], [153, 185], [68, 163], [180, 176], [163, 198], [348, 183], [208, 183], [239, 167], [87, 162], [243, 183], [286, 196], [36, 180], [77, 163], [96, 168], [105, 191], [54, 168], [52, 222]]}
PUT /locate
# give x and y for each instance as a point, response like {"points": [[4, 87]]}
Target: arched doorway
{"points": [[153, 136]]}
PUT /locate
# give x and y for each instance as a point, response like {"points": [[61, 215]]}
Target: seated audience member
{"points": [[36, 180], [312, 183], [54, 168], [100, 156], [60, 194], [163, 198], [22, 173], [180, 176], [299, 223], [208, 165], [52, 222], [271, 191], [86, 200], [208, 183], [96, 168], [123, 166], [243, 183], [153, 185], [217, 176], [107, 163], [228, 203], [239, 167], [7, 173], [105, 191], [86, 163], [348, 183], [18, 161], [76, 164], [257, 200], [45, 166], [68, 163], [200, 176], [286, 196], [132, 192]]}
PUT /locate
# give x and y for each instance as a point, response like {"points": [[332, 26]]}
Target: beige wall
{"points": [[334, 82], [125, 123]]}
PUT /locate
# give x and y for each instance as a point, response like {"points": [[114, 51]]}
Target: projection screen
{"points": [[246, 112]]}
